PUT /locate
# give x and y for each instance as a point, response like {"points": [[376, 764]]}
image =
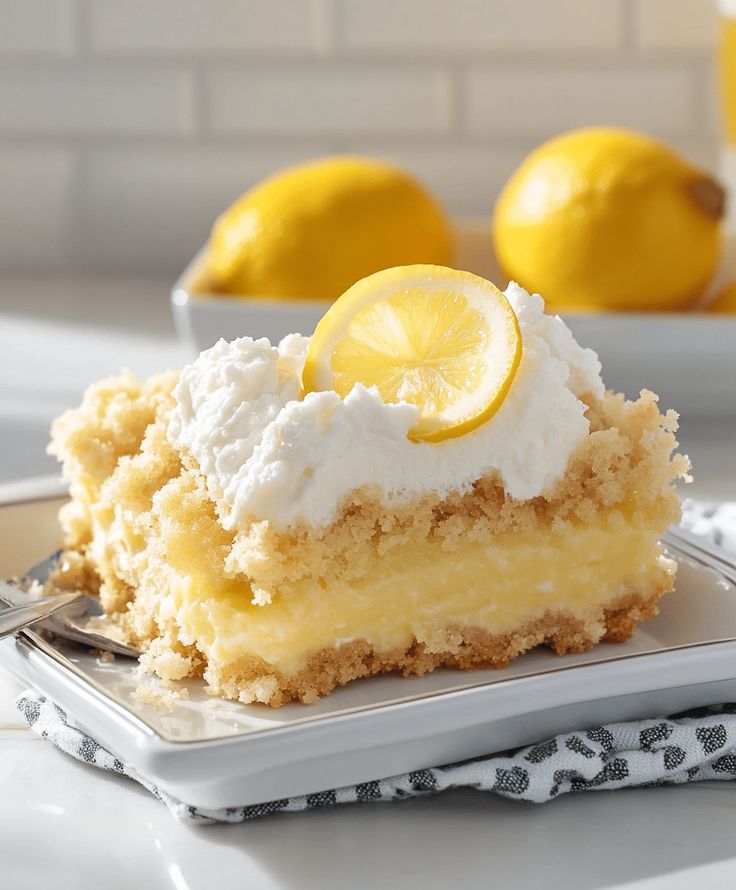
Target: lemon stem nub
{"points": [[709, 195]]}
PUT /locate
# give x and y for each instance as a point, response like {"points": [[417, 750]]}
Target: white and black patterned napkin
{"points": [[691, 747], [716, 522]]}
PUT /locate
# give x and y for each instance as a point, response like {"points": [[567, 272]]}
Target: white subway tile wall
{"points": [[196, 28], [125, 127], [36, 197], [37, 27], [334, 98], [539, 100], [97, 100], [471, 26], [676, 25]]}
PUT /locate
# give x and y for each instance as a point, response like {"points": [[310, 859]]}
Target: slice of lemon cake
{"points": [[437, 478]]}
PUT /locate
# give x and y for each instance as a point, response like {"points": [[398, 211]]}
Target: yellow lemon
{"points": [[312, 230], [445, 341], [725, 300], [605, 218]]}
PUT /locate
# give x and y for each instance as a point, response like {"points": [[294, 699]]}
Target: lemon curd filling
{"points": [[426, 597], [281, 536]]}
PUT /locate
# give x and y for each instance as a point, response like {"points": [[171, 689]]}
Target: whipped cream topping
{"points": [[267, 455]]}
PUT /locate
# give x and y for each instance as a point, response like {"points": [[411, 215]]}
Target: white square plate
{"points": [[215, 753]]}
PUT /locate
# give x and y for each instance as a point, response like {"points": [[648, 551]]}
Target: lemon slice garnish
{"points": [[445, 341]]}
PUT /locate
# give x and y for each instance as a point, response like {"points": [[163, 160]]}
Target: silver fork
{"points": [[65, 615]]}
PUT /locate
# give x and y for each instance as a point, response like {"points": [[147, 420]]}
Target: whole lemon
{"points": [[605, 218], [725, 300], [312, 230]]}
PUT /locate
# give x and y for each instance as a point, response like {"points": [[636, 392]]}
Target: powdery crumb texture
{"points": [[162, 700], [165, 658], [138, 505], [91, 439]]}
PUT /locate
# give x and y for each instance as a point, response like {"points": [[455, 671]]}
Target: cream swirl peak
{"points": [[267, 455]]}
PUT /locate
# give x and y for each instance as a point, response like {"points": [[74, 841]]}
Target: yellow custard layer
{"points": [[419, 592]]}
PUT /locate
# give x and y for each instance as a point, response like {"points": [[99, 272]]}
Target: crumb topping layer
{"points": [[266, 455]]}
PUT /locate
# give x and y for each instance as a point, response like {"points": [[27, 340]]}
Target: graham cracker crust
{"points": [[250, 679]]}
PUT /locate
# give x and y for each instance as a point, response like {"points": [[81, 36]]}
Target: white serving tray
{"points": [[213, 753], [689, 359]]}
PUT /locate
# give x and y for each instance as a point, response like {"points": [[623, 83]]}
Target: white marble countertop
{"points": [[65, 825]]}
